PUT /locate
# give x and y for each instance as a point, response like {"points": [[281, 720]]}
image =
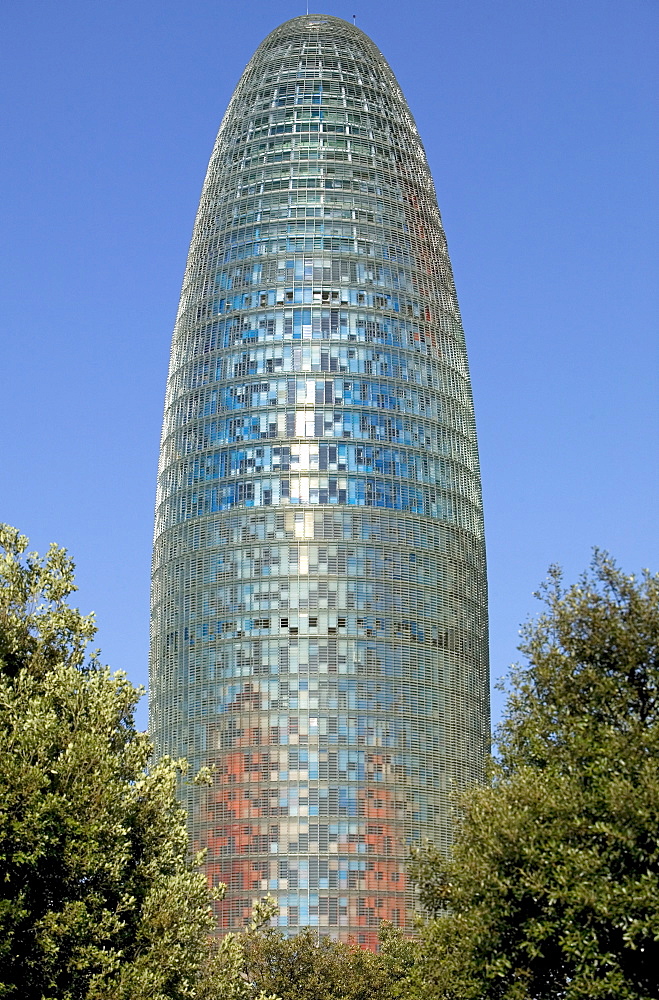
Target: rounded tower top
{"points": [[325, 24], [326, 27]]}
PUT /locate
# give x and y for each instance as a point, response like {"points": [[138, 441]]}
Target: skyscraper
{"points": [[319, 624]]}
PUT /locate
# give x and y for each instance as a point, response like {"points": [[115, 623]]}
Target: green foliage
{"points": [[98, 899], [224, 975], [553, 887], [306, 967]]}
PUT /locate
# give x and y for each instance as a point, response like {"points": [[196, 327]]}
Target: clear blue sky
{"points": [[539, 119]]}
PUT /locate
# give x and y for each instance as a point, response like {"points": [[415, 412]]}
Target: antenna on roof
{"points": [[354, 19]]}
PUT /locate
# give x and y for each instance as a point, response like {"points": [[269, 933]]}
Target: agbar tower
{"points": [[319, 625]]}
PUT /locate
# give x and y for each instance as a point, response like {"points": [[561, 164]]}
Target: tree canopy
{"points": [[552, 890], [98, 898], [309, 967]]}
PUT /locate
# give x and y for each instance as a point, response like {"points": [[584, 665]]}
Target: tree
{"points": [[224, 975], [98, 897], [309, 967], [552, 890]]}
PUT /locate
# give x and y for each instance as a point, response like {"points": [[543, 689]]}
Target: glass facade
{"points": [[319, 620]]}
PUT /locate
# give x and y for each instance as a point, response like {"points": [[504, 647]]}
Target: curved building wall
{"points": [[319, 628]]}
